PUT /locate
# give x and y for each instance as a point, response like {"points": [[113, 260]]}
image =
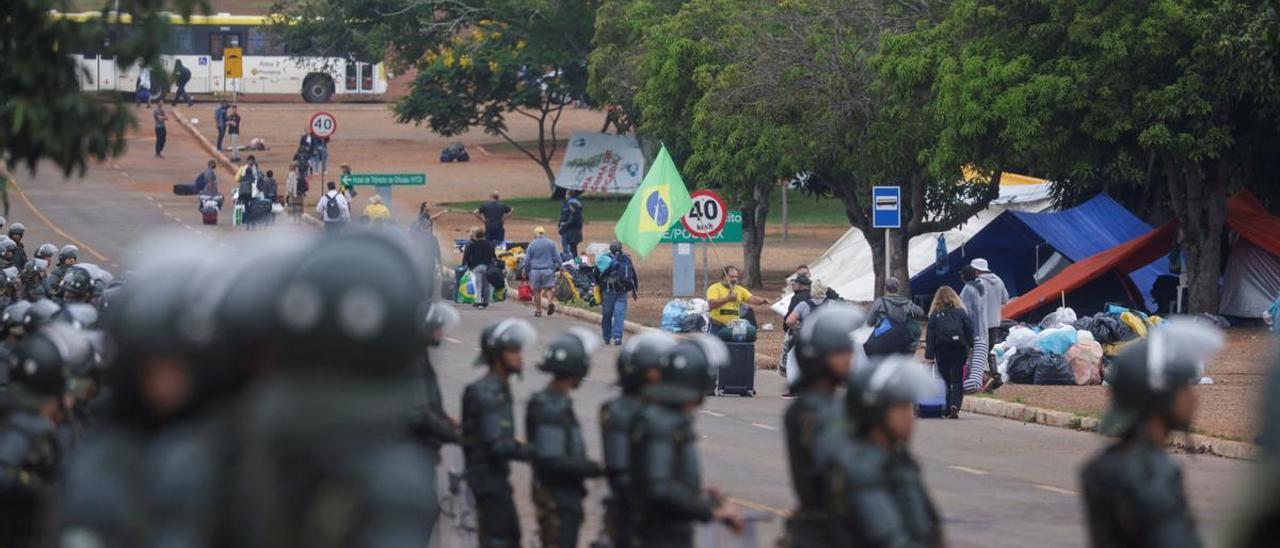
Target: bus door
{"points": [[218, 40], [100, 69], [359, 77]]}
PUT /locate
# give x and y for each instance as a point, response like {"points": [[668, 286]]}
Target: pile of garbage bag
{"points": [[686, 316]]}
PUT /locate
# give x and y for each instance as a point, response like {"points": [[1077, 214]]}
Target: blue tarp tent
{"points": [[1017, 243]]}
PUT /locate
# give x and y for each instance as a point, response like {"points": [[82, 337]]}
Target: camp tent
{"points": [[847, 265], [1251, 280], [1017, 244]]}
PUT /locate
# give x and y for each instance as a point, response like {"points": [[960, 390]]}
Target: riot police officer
{"points": [[667, 496], [46, 252], [32, 409], [489, 432], [428, 422], [1133, 490], [825, 350], [77, 285], [638, 366], [556, 449], [32, 280], [9, 253], [68, 256], [1257, 518], [16, 233], [874, 488]]}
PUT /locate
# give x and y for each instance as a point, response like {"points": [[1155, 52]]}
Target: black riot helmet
{"points": [[8, 248], [77, 285], [42, 360], [1146, 375], [888, 380], [356, 303], [38, 314], [689, 370], [642, 353], [68, 252], [499, 337], [441, 317], [16, 231], [46, 252], [14, 317], [827, 331], [569, 355]]}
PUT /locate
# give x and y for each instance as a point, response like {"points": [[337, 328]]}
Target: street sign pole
{"points": [[706, 276], [886, 213]]}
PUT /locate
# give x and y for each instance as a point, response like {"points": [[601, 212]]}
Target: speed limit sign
{"points": [[707, 217], [323, 125]]}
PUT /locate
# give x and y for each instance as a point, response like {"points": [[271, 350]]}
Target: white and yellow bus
{"points": [[267, 67]]}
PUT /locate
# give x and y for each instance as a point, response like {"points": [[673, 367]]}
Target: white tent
{"points": [[847, 265]]}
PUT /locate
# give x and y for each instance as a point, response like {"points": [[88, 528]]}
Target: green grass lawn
{"points": [[803, 210]]}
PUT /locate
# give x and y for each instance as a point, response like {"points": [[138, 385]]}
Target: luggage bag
{"points": [[934, 405], [739, 378]]}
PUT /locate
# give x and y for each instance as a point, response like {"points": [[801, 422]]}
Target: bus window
{"points": [[221, 40], [366, 77], [184, 41], [351, 76], [264, 42]]}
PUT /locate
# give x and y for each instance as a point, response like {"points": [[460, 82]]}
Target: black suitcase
{"points": [[258, 212], [739, 378], [184, 189]]}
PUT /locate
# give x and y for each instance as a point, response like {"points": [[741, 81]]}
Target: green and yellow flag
{"points": [[660, 202]]}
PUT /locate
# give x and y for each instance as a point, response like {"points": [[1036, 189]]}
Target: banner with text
{"points": [[600, 162]]}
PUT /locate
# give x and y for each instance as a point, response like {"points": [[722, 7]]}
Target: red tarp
{"points": [[1125, 258], [1246, 216]]}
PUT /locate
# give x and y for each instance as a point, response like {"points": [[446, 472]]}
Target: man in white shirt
{"points": [[337, 216]]}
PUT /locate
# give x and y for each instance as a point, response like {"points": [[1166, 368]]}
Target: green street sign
{"points": [[384, 179], [732, 233]]}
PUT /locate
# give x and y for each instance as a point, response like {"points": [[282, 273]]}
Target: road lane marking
{"points": [[764, 426], [1057, 490], [453, 340], [52, 226], [712, 413], [759, 507], [968, 470]]}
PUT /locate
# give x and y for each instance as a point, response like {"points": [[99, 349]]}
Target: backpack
{"points": [[889, 337], [332, 210], [948, 329], [620, 274]]}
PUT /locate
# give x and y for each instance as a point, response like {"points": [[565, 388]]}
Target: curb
{"points": [[1191, 443], [220, 157], [595, 317]]}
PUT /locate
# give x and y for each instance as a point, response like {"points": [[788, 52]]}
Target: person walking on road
{"points": [[904, 320], [334, 210], [183, 75], [994, 296], [161, 132], [1133, 490], [728, 300], [489, 443], [233, 130], [816, 299], [494, 215], [616, 280], [948, 340], [478, 257], [800, 291], [210, 178], [220, 120], [974, 298], [543, 260], [570, 227]]}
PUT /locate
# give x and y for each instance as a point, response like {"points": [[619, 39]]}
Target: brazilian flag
{"points": [[660, 202]]}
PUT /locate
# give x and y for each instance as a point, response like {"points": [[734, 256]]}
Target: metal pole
{"points": [[886, 254], [785, 227], [706, 281]]}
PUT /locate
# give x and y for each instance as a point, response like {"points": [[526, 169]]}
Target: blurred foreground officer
{"points": [[1133, 490], [489, 432], [31, 409], [428, 423], [666, 475], [326, 460], [877, 495], [639, 364], [1257, 521], [557, 452], [824, 348]]}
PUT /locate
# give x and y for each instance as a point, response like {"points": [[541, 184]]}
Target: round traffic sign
{"points": [[707, 217], [323, 125]]}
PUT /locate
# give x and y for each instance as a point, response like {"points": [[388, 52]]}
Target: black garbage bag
{"points": [[1022, 367], [1053, 369]]}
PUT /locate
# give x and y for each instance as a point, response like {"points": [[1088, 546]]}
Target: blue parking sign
{"points": [[886, 207]]}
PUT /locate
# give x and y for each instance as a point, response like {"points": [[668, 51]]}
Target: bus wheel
{"points": [[317, 88]]}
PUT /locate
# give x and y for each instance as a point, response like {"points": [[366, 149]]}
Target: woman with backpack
{"points": [[948, 340]]}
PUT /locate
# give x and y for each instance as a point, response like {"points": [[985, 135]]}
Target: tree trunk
{"points": [[755, 217], [1199, 198], [900, 245]]}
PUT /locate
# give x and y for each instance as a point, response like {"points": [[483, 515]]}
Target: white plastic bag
{"points": [[1021, 337]]}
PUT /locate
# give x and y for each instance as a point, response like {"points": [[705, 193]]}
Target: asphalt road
{"points": [[997, 482]]}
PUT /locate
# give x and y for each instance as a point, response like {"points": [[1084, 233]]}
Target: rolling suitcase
{"points": [[934, 405], [739, 378], [209, 216], [185, 189]]}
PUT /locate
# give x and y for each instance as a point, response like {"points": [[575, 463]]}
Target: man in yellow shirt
{"points": [[728, 300], [375, 213]]}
